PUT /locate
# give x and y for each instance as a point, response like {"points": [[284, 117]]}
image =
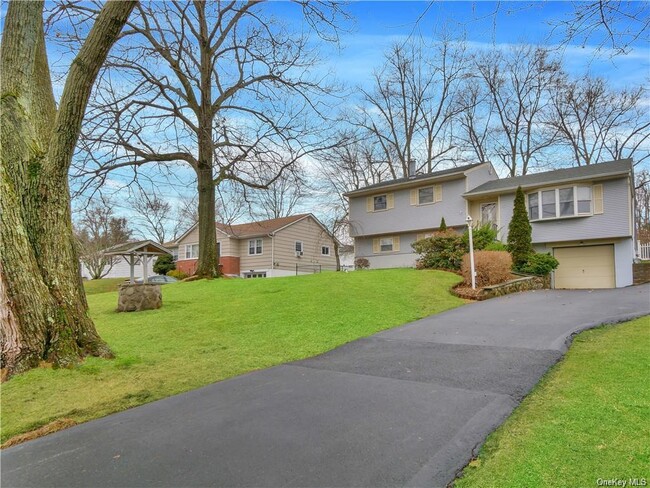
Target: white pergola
{"points": [[131, 251]]}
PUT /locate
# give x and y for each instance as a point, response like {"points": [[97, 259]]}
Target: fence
{"points": [[308, 268], [644, 250]]}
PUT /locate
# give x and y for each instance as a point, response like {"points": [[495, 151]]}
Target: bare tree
{"points": [[409, 111], [222, 87], [613, 24], [44, 313], [505, 122], [596, 122], [283, 196], [153, 215], [98, 229]]}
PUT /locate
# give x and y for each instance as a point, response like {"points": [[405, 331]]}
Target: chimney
{"points": [[411, 168]]}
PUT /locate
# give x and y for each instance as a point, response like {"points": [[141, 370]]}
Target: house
{"points": [[298, 244], [583, 216]]}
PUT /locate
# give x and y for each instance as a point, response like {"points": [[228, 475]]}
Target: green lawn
{"points": [[211, 330], [102, 286], [588, 418]]}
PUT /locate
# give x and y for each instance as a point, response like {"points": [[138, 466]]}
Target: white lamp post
{"points": [[471, 251]]}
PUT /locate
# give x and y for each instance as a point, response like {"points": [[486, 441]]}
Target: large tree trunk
{"points": [[45, 314], [208, 266]]}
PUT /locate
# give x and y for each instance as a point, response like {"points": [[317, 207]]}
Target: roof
{"points": [[592, 171], [346, 248], [137, 247], [459, 170], [262, 227]]}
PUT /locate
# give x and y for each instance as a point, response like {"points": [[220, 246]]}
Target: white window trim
{"points": [[373, 203], [325, 254], [254, 241], [189, 247], [557, 189], [392, 244], [433, 195]]}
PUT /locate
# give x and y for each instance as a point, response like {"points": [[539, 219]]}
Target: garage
{"points": [[585, 267]]}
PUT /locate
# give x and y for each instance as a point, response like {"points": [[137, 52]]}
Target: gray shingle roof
{"points": [[609, 168], [426, 176]]}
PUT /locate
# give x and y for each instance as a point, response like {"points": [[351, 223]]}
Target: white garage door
{"points": [[585, 267]]}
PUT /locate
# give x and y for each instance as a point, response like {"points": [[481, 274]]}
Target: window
{"points": [[548, 204], [325, 250], [175, 254], [218, 248], [489, 214], [380, 202], [255, 246], [568, 201], [298, 248], [253, 274], [386, 244], [425, 195], [533, 206], [191, 251], [584, 200]]}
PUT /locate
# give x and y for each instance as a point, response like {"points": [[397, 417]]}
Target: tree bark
{"points": [[45, 314], [208, 265]]}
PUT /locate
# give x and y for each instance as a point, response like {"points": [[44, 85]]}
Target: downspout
{"points": [[272, 252]]}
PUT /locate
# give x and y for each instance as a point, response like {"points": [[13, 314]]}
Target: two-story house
{"points": [[583, 216], [298, 244]]}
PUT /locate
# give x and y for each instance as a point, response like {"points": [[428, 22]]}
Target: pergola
{"points": [[131, 251]]}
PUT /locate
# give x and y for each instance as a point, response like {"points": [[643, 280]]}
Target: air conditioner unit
{"points": [[298, 254]]}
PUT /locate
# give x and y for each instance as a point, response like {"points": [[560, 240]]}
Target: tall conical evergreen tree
{"points": [[520, 232], [443, 225]]}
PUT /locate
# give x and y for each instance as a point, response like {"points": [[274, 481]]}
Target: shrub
{"points": [[442, 251], [178, 274], [540, 264], [443, 225], [361, 263], [482, 236], [164, 264], [491, 267], [520, 232], [496, 246]]}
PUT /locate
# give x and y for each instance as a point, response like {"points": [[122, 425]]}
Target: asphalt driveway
{"points": [[405, 407]]}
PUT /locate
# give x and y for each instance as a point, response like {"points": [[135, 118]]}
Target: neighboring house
{"points": [[583, 216], [287, 246]]}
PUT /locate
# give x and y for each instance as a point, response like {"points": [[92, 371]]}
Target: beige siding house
{"points": [[298, 244]]}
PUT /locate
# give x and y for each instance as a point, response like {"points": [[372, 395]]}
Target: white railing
{"points": [[644, 250]]}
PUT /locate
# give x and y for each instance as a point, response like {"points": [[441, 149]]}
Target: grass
{"points": [[588, 418], [211, 330], [104, 285]]}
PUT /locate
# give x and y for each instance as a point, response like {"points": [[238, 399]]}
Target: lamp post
{"points": [[471, 251]]}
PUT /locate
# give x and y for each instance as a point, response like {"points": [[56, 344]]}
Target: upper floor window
{"points": [[568, 201], [425, 195], [175, 254], [191, 251], [298, 248], [255, 246], [380, 202], [325, 250], [377, 203]]}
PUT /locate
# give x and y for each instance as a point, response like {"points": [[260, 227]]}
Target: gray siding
{"points": [[405, 217], [613, 222], [478, 176], [405, 257]]}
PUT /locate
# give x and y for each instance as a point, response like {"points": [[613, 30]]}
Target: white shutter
{"points": [[437, 193], [375, 245], [598, 199]]}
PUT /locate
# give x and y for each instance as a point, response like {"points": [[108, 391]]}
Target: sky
{"points": [[375, 25]]}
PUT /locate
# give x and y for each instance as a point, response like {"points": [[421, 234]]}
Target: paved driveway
{"points": [[405, 407]]}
